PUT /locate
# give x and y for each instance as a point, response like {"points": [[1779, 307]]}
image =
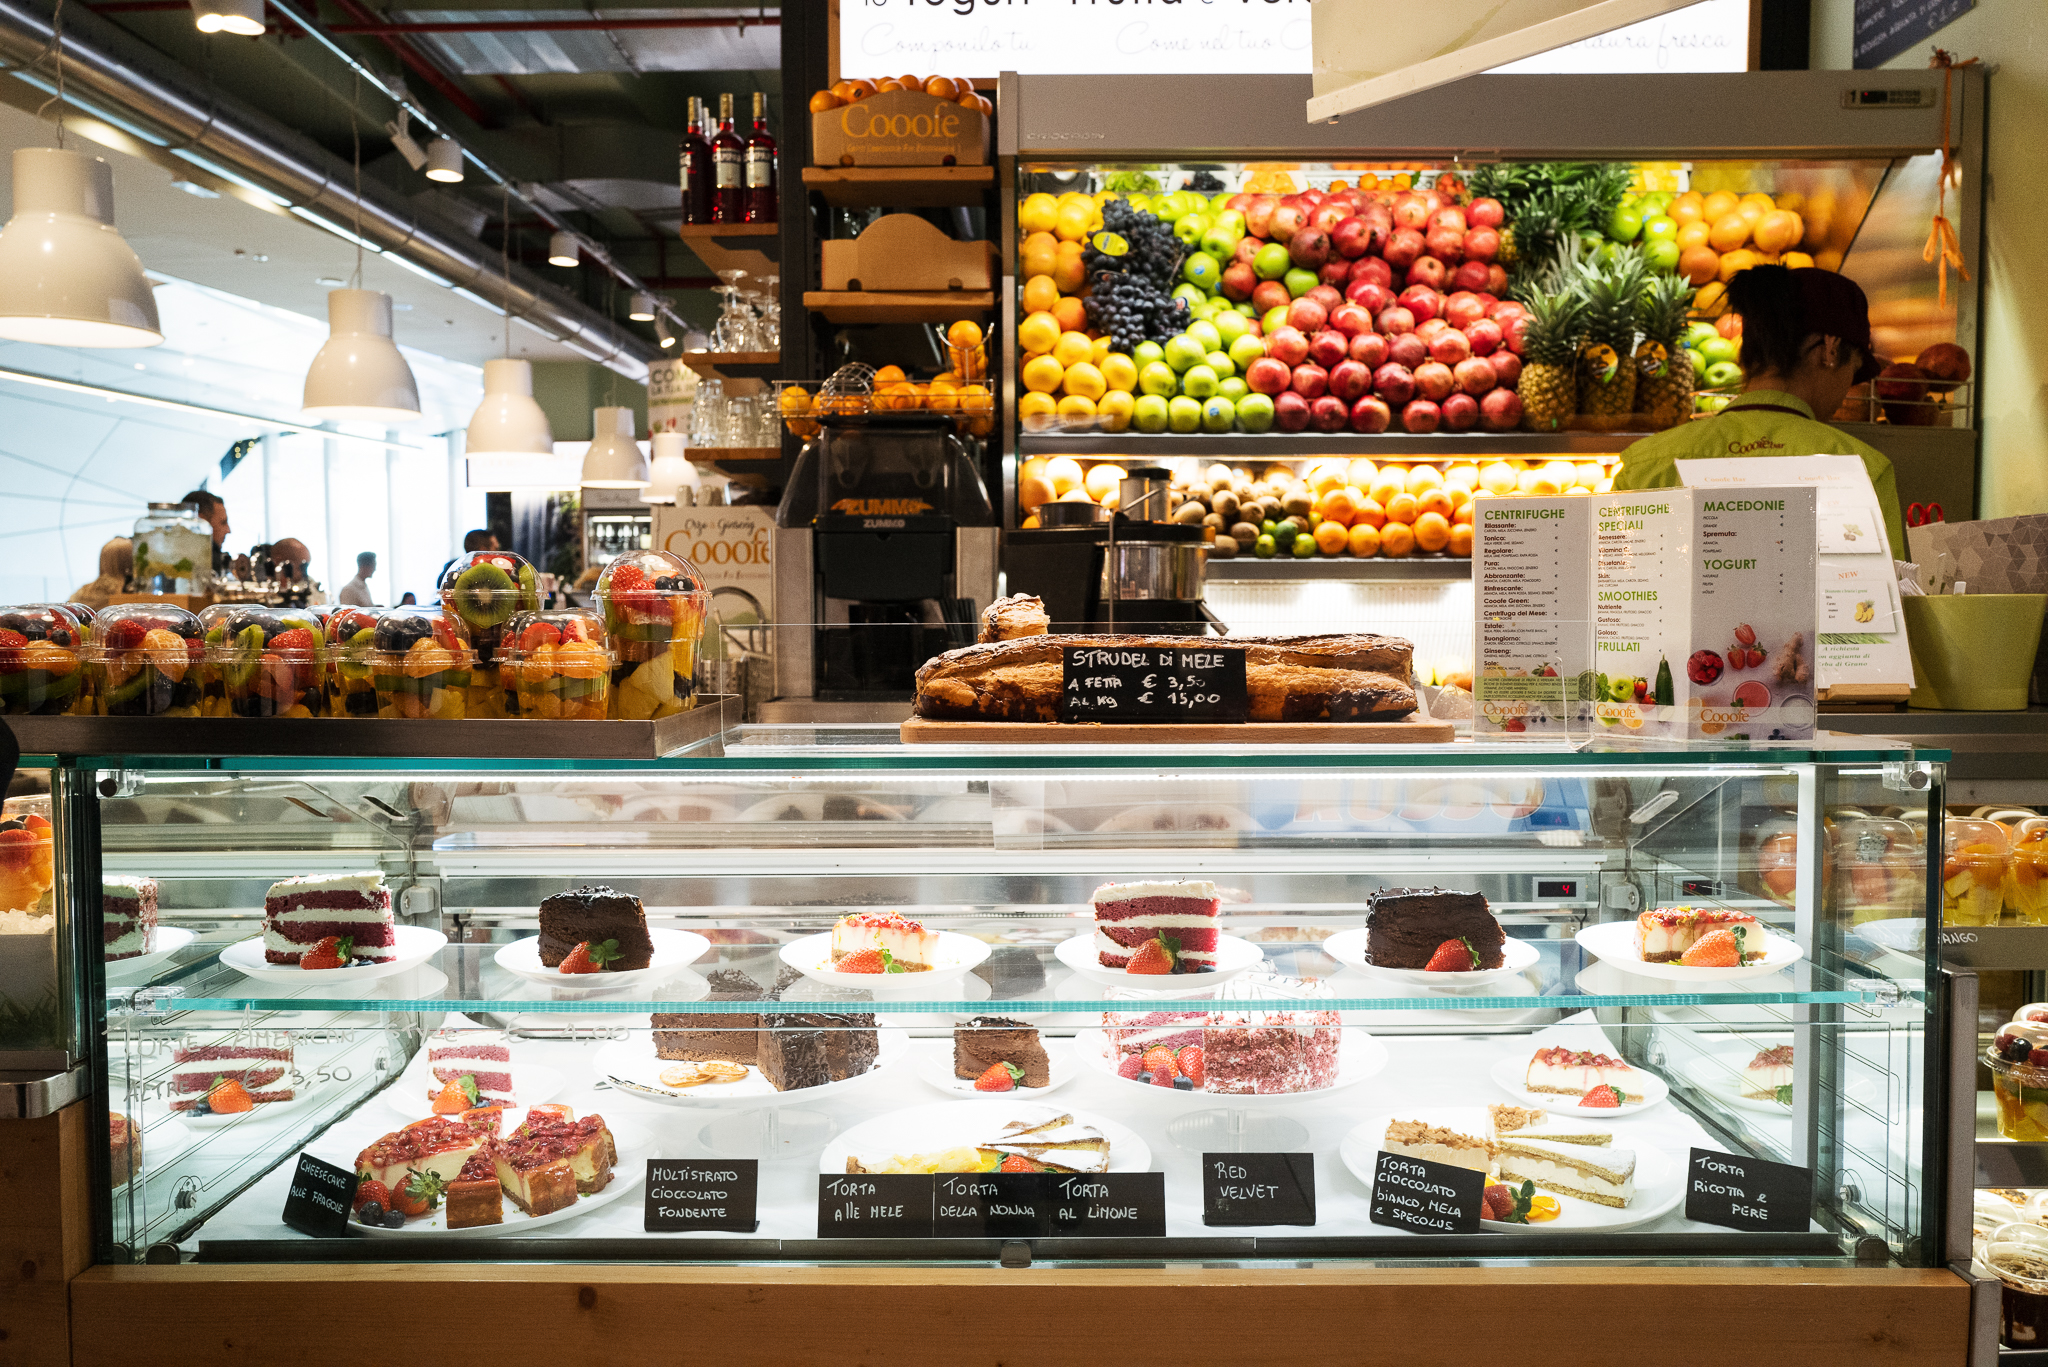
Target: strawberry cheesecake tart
{"points": [[1145, 921], [299, 913], [1769, 1075], [882, 942], [1575, 1072], [1664, 934]]}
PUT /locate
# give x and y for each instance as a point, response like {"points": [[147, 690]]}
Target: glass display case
{"points": [[1019, 1096]]}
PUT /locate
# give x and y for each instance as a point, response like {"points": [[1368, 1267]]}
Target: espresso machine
{"points": [[885, 555], [1133, 569]]}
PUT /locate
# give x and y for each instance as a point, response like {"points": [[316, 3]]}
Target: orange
{"points": [[1098, 349], [1332, 538], [1043, 374], [1397, 539], [1084, 379], [943, 396], [1754, 206], [942, 88], [1779, 231], [844, 90], [1738, 261], [1461, 539], [964, 333], [1364, 540], [1464, 477], [1362, 472], [1687, 208], [1071, 314], [1339, 509], [1438, 501], [1718, 205], [1432, 532], [1498, 478], [1038, 213], [889, 374], [1729, 232], [1113, 411], [1038, 333], [1040, 255], [1795, 261], [1370, 514], [824, 102], [1072, 348], [1040, 294], [1693, 234], [861, 89], [1387, 484], [1068, 271], [1401, 508], [887, 84], [1324, 478], [1699, 264], [1462, 517], [1066, 475], [1076, 413], [910, 82], [1423, 478]]}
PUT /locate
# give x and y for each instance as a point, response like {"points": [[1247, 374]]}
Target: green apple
{"points": [[1183, 414], [1699, 365], [1300, 282], [1199, 383], [1625, 223], [1718, 349], [1191, 293], [1157, 377], [1149, 413], [1723, 375], [1233, 388], [1276, 318], [1190, 227], [1245, 350], [1221, 198], [1203, 270], [1660, 226], [1656, 202], [1220, 241], [1220, 362], [1144, 353], [1219, 415], [1271, 261], [1140, 201], [1695, 333], [1255, 412], [1183, 351], [1661, 254], [1230, 325], [1205, 332]]}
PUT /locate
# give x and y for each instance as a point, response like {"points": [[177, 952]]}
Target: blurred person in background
{"points": [[213, 511], [356, 592], [117, 561], [476, 539]]}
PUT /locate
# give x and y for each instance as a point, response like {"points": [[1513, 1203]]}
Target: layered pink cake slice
{"points": [[484, 1056], [1575, 1072], [1133, 1036], [263, 1070], [1182, 915], [298, 913], [128, 912], [1274, 1046]]}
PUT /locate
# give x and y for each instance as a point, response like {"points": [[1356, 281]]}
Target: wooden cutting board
{"points": [[1417, 729]]}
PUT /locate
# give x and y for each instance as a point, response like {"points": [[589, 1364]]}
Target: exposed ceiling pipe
{"points": [[541, 25]]}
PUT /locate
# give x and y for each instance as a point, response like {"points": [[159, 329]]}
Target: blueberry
{"points": [[372, 1213], [1145, 1078], [2017, 1050], [200, 1107], [1184, 1084], [394, 1219]]}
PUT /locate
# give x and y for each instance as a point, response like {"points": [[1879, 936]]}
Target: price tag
{"points": [[1258, 1188], [1747, 1193], [1428, 1198], [702, 1194], [875, 1206], [320, 1198], [1109, 1205], [1148, 684], [992, 1205]]}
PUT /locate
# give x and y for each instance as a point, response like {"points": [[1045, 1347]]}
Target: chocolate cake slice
{"points": [[592, 915], [791, 1054], [1404, 926], [698, 1036], [985, 1041]]}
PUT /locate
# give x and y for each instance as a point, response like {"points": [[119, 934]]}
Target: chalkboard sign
{"points": [[1886, 28], [1152, 684], [684, 1194], [1747, 1193], [320, 1198], [992, 1205], [1258, 1188], [1428, 1198], [1110, 1205], [875, 1206]]}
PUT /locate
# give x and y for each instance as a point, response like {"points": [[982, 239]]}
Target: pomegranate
{"points": [[1327, 347], [1290, 411], [1288, 345], [1434, 380], [1369, 295], [1450, 347], [1501, 410], [1369, 349], [1422, 301], [1421, 415], [1329, 414], [1475, 375], [1403, 248], [1428, 270], [1461, 412], [1507, 368], [1311, 381], [1307, 314], [1485, 336], [1374, 269], [1288, 219], [1445, 244], [1350, 319], [1371, 414], [1350, 380], [1485, 212], [1394, 383], [1395, 320], [1463, 309], [1407, 349], [1481, 246]]}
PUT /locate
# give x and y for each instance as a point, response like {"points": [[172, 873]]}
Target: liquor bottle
{"points": [[696, 167], [762, 197], [728, 169]]}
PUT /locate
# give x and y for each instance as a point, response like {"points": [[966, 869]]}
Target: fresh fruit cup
{"points": [[264, 661], [484, 590], [423, 664], [2026, 875], [146, 660], [1881, 871], [27, 858], [41, 661], [653, 604], [351, 661], [557, 665], [1975, 856], [2018, 1060]]}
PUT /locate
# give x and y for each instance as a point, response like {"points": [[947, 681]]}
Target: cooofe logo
{"points": [[1623, 714], [942, 120], [1713, 720]]}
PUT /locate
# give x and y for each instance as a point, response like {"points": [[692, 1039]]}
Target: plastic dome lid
{"points": [[527, 631], [400, 629], [255, 627], [122, 626], [2017, 1042], [1870, 839], [42, 622], [661, 572], [344, 624], [1972, 838]]}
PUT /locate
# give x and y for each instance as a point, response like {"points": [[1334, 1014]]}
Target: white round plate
{"points": [[1359, 1057], [532, 1084], [674, 950], [1517, 958], [169, 940], [631, 1066], [263, 1109], [1233, 956], [416, 945], [955, 955], [635, 1146], [1660, 1182], [950, 1124], [1510, 1072], [1616, 943], [934, 1067]]}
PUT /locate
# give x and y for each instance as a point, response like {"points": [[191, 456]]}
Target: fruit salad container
{"points": [[146, 660], [484, 590], [1880, 868], [41, 662], [423, 664], [653, 604], [27, 858], [351, 662], [1975, 856], [2018, 1060], [558, 666], [264, 661]]}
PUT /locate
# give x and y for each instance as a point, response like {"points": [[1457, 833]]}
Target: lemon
{"points": [[1072, 348], [1038, 333], [1098, 350], [1103, 480], [1084, 379], [1113, 410], [1040, 294], [1043, 374], [1038, 213], [1076, 413], [1040, 254], [1072, 224], [1065, 473], [1035, 410], [1119, 372]]}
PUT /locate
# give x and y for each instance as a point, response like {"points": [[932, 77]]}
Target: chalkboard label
{"points": [[875, 1206], [1886, 28], [684, 1194], [1258, 1188], [992, 1205], [1428, 1198], [320, 1198], [1747, 1193], [1110, 1205], [1152, 684]]}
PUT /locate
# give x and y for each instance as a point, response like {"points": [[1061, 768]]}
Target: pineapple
{"points": [[1607, 372], [1550, 346], [1663, 367]]}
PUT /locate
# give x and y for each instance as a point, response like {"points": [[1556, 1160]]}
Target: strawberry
{"points": [[370, 1189], [1017, 1162], [126, 634], [1453, 956], [1498, 1201], [1189, 1061], [11, 640], [293, 641], [332, 952], [539, 634], [418, 1193], [457, 1096], [1154, 956], [590, 958], [628, 579], [229, 1097], [1131, 1066], [1159, 1063], [864, 961], [1715, 949], [1000, 1077], [1603, 1097]]}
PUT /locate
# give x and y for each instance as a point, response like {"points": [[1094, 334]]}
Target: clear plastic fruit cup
{"points": [[653, 605], [1881, 871], [264, 661], [485, 590], [558, 665], [351, 662], [145, 660], [2026, 874], [27, 857], [41, 661], [422, 665], [1975, 856]]}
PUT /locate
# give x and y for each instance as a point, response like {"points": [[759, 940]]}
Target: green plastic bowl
{"points": [[1973, 652]]}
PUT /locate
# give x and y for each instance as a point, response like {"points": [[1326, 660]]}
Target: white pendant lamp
{"points": [[670, 469], [67, 278], [563, 249], [614, 460], [359, 375], [444, 161], [243, 18], [509, 443]]}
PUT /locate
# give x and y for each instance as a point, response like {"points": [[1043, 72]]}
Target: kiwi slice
{"points": [[485, 595]]}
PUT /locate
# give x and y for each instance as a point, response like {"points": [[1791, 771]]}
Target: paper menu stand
{"points": [[1532, 592], [1862, 628]]}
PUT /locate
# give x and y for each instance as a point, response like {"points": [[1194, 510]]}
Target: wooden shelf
{"points": [[717, 362], [905, 187], [723, 453], [694, 231], [900, 306]]}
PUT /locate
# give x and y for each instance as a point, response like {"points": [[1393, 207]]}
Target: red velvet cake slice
{"points": [[1181, 914], [128, 911], [484, 1056], [264, 1071], [298, 913]]}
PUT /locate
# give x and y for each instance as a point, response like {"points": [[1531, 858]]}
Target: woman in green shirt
{"points": [[1805, 343]]}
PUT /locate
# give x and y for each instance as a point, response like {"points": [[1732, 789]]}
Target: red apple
{"points": [[1461, 412], [1450, 347], [1290, 411], [1328, 214], [1350, 319], [1485, 336], [1369, 295], [1403, 247], [1370, 414], [1334, 272], [1470, 277], [1485, 213], [1420, 415], [1258, 215], [1328, 347], [1427, 270], [1369, 349], [1288, 345], [1329, 414], [1372, 268], [1410, 211], [1309, 247], [1407, 349], [1311, 381], [1496, 279], [1350, 380], [1507, 368], [1268, 295], [1352, 237], [1482, 244], [1422, 301], [1476, 375], [1307, 314], [1288, 219], [1247, 248], [1501, 410], [1395, 383], [1238, 281]]}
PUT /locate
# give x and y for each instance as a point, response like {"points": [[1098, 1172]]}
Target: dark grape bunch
{"points": [[1133, 263], [1207, 182]]}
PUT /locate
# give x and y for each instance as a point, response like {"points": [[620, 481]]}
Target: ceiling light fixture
{"points": [[669, 469], [509, 443], [243, 18], [663, 335], [194, 188], [444, 161], [614, 460], [359, 375], [67, 277], [563, 249], [641, 310]]}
